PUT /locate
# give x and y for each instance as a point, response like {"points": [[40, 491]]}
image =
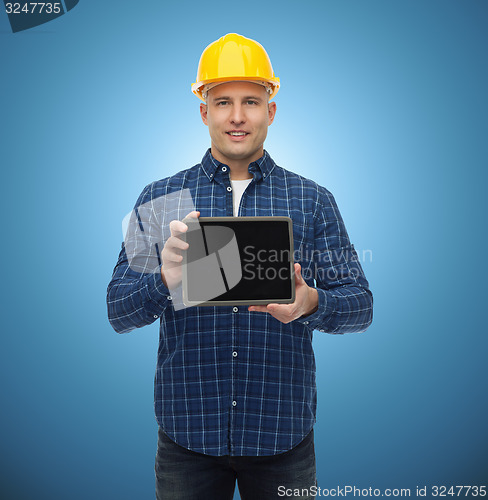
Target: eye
{"points": [[222, 103], [252, 102]]}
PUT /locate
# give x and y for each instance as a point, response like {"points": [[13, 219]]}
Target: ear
{"points": [[271, 112], [203, 112]]}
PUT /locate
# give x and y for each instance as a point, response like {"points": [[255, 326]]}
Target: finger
{"points": [[281, 309], [277, 311], [275, 307], [270, 308], [170, 252], [177, 227], [172, 257], [175, 242], [257, 308], [282, 312], [191, 218], [298, 274]]}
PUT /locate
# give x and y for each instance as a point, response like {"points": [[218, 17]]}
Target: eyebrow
{"points": [[227, 98]]}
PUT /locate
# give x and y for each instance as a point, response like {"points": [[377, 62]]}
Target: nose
{"points": [[237, 114]]}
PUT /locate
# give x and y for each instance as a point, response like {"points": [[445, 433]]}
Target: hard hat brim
{"points": [[197, 87]]}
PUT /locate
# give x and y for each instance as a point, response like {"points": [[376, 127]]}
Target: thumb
{"points": [[298, 273]]}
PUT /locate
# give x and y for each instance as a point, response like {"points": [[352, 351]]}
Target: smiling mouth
{"points": [[237, 135]]}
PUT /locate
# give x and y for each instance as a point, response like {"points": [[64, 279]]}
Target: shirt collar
{"points": [[260, 168]]}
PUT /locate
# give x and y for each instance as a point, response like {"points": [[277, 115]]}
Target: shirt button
{"points": [[305, 322], [156, 316], [169, 297], [234, 403], [235, 309], [224, 169], [234, 354], [229, 189]]}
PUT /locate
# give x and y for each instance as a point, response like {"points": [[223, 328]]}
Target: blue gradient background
{"points": [[384, 102]]}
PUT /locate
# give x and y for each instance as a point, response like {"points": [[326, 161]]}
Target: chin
{"points": [[239, 154]]}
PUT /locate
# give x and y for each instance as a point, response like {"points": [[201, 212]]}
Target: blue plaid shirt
{"points": [[229, 381]]}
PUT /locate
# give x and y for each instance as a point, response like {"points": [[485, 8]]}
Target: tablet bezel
{"points": [[242, 302]]}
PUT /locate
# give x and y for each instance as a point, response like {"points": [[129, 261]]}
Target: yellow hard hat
{"points": [[235, 58]]}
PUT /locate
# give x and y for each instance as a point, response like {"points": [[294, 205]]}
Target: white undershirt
{"points": [[238, 187]]}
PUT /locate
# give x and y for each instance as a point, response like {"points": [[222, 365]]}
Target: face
{"points": [[238, 115]]}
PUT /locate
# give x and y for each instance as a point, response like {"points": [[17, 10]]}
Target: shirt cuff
{"points": [[157, 294], [324, 309]]}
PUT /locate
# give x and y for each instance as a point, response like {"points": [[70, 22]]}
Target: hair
{"points": [[209, 86]]}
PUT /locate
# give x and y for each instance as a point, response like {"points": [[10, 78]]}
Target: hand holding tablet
{"points": [[171, 255], [306, 302]]}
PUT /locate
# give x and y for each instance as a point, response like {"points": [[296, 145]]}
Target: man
{"points": [[235, 393]]}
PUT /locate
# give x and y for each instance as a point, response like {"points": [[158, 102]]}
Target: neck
{"points": [[239, 174], [239, 169]]}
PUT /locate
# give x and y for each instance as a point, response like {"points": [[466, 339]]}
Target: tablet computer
{"points": [[238, 261]]}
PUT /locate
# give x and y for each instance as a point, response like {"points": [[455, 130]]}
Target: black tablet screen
{"points": [[264, 251]]}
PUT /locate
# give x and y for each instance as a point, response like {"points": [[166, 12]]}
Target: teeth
{"points": [[237, 133]]}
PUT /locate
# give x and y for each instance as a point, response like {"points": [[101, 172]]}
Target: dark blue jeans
{"points": [[182, 474]]}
